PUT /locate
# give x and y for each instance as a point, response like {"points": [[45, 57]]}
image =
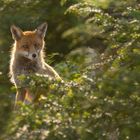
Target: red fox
{"points": [[27, 57]]}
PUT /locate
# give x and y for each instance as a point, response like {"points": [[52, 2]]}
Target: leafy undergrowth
{"points": [[86, 107], [99, 100]]}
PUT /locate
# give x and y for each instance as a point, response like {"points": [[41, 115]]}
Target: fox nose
{"points": [[34, 55]]}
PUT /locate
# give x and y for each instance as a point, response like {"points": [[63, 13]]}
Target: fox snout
{"points": [[30, 55], [33, 56]]}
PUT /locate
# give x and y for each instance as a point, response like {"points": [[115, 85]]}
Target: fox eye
{"points": [[36, 45], [25, 46]]}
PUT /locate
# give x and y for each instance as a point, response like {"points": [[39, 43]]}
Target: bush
{"points": [[99, 100]]}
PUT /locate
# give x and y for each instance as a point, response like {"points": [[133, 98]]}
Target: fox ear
{"points": [[41, 30], [16, 32]]}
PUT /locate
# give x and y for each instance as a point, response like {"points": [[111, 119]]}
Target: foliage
{"points": [[96, 100]]}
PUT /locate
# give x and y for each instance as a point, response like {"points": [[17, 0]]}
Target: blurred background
{"points": [[79, 31]]}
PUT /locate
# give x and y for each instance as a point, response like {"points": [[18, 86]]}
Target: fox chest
{"points": [[27, 69], [22, 70]]}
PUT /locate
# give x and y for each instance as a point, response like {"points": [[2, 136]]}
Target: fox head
{"points": [[29, 43]]}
